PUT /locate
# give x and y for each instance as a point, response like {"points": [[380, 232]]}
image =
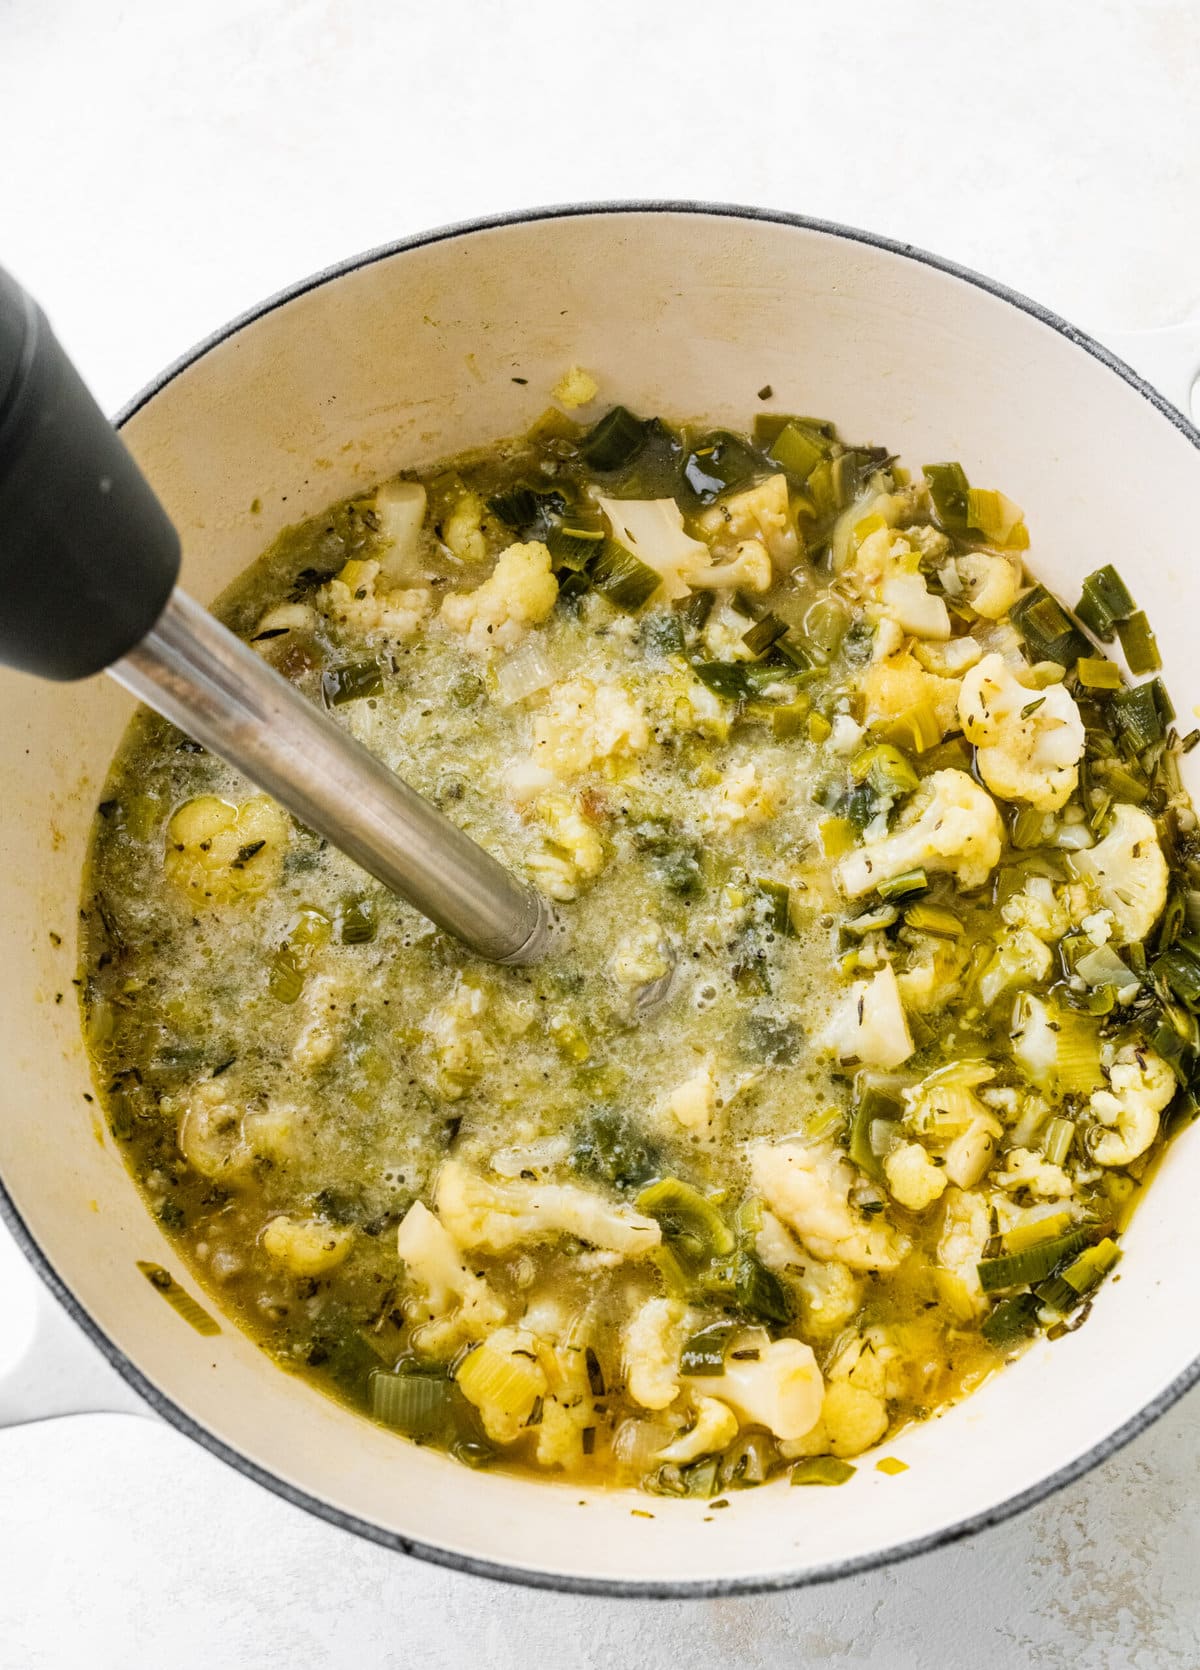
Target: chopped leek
{"points": [[625, 580], [819, 728], [704, 1352], [1138, 645], [1095, 672], [949, 490], [769, 425], [615, 440], [356, 920], [798, 450], [351, 682], [573, 546], [609, 1149], [1011, 1320], [873, 1105], [662, 633], [189, 1310], [528, 510], [891, 1464], [1041, 1229], [997, 518], [421, 1405], [1057, 1140], [507, 1381], [765, 632], [1031, 1264], [1077, 1060], [690, 1222], [933, 919], [822, 1469], [1049, 632], [716, 463], [1064, 1291], [776, 898], [917, 729], [904, 886], [1137, 715], [887, 770], [1181, 971], [1106, 600]]}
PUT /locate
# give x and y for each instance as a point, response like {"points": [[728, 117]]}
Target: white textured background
{"points": [[163, 166]]}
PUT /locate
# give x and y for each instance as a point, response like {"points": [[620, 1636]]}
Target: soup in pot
{"points": [[874, 1000]]}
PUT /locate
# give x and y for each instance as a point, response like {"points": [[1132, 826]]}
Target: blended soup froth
{"points": [[873, 1004]]}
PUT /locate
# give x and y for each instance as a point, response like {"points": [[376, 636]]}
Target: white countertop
{"points": [[165, 167]]}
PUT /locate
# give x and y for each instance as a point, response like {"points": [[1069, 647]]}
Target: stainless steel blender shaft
{"points": [[199, 675]]}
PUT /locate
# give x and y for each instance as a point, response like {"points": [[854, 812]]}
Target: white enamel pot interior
{"points": [[412, 353]]}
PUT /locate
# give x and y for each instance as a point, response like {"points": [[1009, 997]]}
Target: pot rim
{"points": [[675, 1589]]}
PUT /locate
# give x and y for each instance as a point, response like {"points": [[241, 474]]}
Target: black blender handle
{"points": [[88, 556]]}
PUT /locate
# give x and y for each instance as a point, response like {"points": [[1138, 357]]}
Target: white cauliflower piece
{"points": [[869, 1026], [852, 1419], [457, 1041], [809, 1188], [1035, 1040], [583, 725], [781, 1389], [652, 529], [452, 1303], [909, 602], [316, 1039], [1023, 1169], [497, 1216], [846, 736], [462, 529], [517, 595], [1020, 959], [1037, 908], [991, 583], [892, 687], [350, 600], [969, 1155], [1127, 872], [1028, 742], [651, 1341], [745, 799], [218, 853], [1142, 1085], [572, 851], [912, 1177], [933, 976], [305, 1246], [829, 1293], [693, 1102], [576, 387], [949, 824], [715, 1427], [640, 957], [966, 1230], [948, 660], [760, 513], [284, 617], [749, 569]]}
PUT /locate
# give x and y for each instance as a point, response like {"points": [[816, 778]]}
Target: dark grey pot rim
{"points": [[674, 1590]]}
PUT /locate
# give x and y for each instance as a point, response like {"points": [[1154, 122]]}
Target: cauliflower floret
{"points": [[681, 703], [694, 1102], [400, 513], [305, 1246], [745, 799], [651, 1342], [852, 1419], [497, 1216], [912, 1176], [781, 1389], [1035, 1040], [454, 1304], [809, 1188], [759, 513], [316, 1039], [1028, 742], [991, 583], [575, 388], [966, 1230], [640, 958], [504, 1378], [653, 530], [829, 1294], [517, 595], [572, 852], [893, 687], [933, 977], [1142, 1085], [462, 529], [1020, 959], [970, 1153], [869, 1026], [749, 569], [1024, 1169], [950, 824], [210, 1135], [458, 1043], [351, 601], [1038, 909], [715, 1427], [1128, 873], [217, 853], [909, 602], [584, 724]]}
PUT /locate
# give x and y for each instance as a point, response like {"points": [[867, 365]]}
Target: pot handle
{"points": [[1168, 357], [60, 1371]]}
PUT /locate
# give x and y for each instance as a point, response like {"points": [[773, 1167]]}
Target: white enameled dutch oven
{"points": [[396, 359]]}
